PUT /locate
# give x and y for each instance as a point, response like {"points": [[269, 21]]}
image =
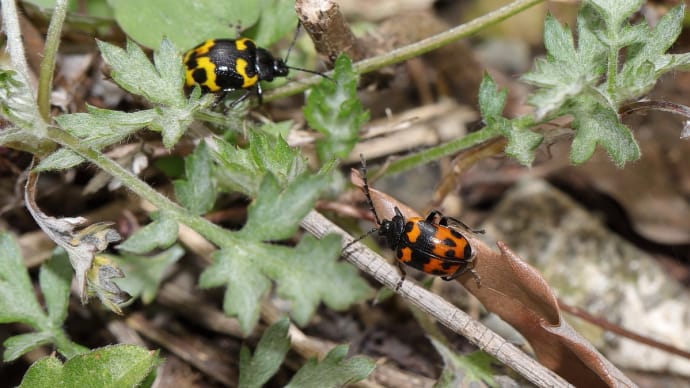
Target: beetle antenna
{"points": [[360, 238], [363, 171], [311, 71], [294, 39]]}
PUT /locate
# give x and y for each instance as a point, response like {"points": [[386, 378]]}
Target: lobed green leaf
{"points": [[198, 191], [334, 110], [110, 366], [334, 371], [256, 370]]}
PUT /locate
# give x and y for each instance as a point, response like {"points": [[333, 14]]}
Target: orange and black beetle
{"points": [[422, 243]]}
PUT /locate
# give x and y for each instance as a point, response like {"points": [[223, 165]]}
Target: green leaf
{"points": [[269, 354], [17, 300], [132, 70], [333, 371], [185, 24], [145, 274], [276, 212], [240, 269], [647, 60], [18, 345], [615, 12], [305, 276], [599, 124], [521, 141], [110, 366], [55, 278], [491, 100], [334, 109], [463, 371], [278, 18], [243, 170], [18, 103], [566, 72], [103, 127], [312, 273], [198, 192], [59, 160], [161, 233]]}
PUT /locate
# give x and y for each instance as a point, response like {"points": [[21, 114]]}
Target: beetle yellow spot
{"points": [[204, 47], [241, 44], [241, 68], [209, 68]]}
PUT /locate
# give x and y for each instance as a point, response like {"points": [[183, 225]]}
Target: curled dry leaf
{"points": [[81, 245], [518, 293]]}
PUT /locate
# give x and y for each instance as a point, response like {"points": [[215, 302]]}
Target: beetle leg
{"points": [[467, 268], [240, 98], [432, 217], [460, 223], [259, 93], [402, 277]]}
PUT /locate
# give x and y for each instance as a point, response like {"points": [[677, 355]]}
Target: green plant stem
{"points": [[209, 230], [612, 72], [410, 161], [45, 78], [415, 49]]}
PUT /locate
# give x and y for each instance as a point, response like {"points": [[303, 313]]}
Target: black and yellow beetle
{"points": [[225, 65]]}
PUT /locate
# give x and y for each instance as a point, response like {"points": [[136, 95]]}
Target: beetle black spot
{"points": [[191, 62], [468, 251], [438, 272], [419, 257], [450, 253], [449, 242], [456, 234], [199, 76], [409, 226], [448, 265]]}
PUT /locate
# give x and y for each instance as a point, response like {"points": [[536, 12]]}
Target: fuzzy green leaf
{"points": [[334, 109], [615, 12], [18, 103], [463, 371], [491, 100], [283, 207], [55, 278], [145, 274], [132, 70], [521, 141], [110, 366], [17, 300], [647, 60], [599, 124], [198, 191], [269, 354], [243, 170], [59, 160], [161, 233], [566, 72], [305, 276], [334, 371], [18, 345], [102, 127]]}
